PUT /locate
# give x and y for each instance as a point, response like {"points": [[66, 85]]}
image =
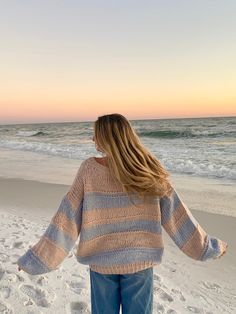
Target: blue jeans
{"points": [[134, 292]]}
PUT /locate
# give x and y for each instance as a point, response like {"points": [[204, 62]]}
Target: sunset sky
{"points": [[76, 60]]}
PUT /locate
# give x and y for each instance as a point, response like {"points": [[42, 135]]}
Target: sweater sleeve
{"points": [[61, 234], [185, 230]]}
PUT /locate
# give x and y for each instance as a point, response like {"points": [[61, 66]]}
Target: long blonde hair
{"points": [[129, 161]]}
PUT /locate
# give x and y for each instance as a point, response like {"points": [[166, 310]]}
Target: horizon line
{"points": [[85, 121]]}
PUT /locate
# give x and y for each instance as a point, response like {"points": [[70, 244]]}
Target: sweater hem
{"points": [[123, 269]]}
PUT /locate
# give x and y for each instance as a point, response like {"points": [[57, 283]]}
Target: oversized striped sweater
{"points": [[116, 236]]}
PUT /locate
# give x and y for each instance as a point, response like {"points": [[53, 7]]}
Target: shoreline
{"points": [[202, 194]]}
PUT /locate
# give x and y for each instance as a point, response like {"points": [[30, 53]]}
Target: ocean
{"points": [[204, 147]]}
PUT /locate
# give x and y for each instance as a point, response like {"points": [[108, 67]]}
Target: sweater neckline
{"points": [[99, 165]]}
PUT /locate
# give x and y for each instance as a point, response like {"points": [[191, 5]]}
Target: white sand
{"points": [[181, 285]]}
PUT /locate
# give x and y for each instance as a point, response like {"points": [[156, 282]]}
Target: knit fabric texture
{"points": [[115, 235]]}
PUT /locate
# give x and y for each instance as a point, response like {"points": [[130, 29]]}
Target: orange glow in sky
{"points": [[141, 60]]}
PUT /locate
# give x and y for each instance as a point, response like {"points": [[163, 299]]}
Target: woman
{"points": [[117, 205]]}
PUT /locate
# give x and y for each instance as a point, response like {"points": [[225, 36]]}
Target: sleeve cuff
{"points": [[31, 264], [214, 248]]}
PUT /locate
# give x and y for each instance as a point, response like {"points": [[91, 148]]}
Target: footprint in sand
{"points": [[5, 292], [78, 276], [42, 280], [157, 278], [160, 308], [179, 294], [38, 296], [201, 296], [211, 285], [161, 294], [20, 278], [171, 311], [14, 258], [28, 302], [5, 308], [12, 277], [4, 258], [194, 309], [170, 268], [79, 308], [18, 245], [2, 272], [80, 288], [14, 224]]}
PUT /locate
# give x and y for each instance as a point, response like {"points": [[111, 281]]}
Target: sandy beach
{"points": [[181, 284]]}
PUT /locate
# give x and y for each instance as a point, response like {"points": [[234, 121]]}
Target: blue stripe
{"points": [[168, 205], [78, 215], [65, 208], [123, 256], [212, 248], [184, 232], [32, 264], [59, 237], [99, 200], [122, 226]]}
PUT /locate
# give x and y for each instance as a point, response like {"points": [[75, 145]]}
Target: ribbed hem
{"points": [[123, 269]]}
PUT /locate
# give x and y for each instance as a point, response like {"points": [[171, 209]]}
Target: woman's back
{"points": [[117, 236]]}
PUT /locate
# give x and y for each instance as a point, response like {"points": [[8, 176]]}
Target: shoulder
{"points": [[85, 164]]}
